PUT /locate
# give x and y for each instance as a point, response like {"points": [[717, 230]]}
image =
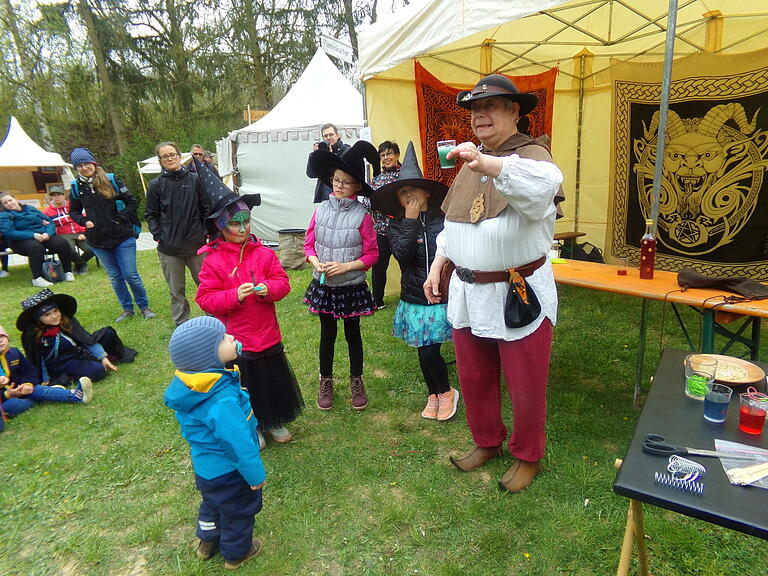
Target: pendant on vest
{"points": [[478, 208], [484, 178]]}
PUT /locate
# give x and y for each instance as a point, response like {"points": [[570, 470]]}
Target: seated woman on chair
{"points": [[30, 233]]}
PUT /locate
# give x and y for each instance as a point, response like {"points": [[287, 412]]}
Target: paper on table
{"points": [[730, 464]]}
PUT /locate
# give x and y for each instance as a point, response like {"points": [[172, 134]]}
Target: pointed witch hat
{"points": [[385, 199], [325, 163], [220, 196]]}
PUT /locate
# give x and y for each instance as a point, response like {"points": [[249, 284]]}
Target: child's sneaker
{"points": [[281, 435], [84, 390], [253, 552], [447, 403], [207, 549], [430, 410]]}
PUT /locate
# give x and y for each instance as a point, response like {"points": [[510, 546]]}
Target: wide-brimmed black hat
{"points": [[32, 306], [497, 85], [219, 194], [352, 162], [385, 200]]}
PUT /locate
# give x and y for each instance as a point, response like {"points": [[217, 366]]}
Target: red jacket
{"points": [[254, 320], [64, 224]]}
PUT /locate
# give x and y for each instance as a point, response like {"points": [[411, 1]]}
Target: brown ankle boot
{"points": [[475, 458], [519, 476], [325, 395], [359, 397]]}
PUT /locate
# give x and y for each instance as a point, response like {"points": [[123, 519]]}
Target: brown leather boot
{"points": [[475, 458], [519, 476], [325, 395], [359, 397]]}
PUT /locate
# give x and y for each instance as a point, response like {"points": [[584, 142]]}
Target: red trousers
{"points": [[525, 363]]}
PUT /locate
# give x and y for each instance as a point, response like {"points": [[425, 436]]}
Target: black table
{"points": [[680, 420]]}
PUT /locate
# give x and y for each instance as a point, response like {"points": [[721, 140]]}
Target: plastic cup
{"points": [[443, 147], [716, 403], [752, 413], [699, 374], [622, 266]]}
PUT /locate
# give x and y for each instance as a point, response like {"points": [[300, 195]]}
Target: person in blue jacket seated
{"points": [[29, 232], [217, 421], [60, 348], [20, 388]]}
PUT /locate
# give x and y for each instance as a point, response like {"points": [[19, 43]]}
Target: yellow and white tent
{"points": [[461, 41]]}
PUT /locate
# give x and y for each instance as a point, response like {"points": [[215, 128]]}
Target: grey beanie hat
{"points": [[194, 345]]}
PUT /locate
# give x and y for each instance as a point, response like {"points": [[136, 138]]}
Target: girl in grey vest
{"points": [[341, 246]]}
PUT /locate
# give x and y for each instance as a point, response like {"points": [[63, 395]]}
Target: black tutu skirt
{"points": [[339, 301], [275, 394]]}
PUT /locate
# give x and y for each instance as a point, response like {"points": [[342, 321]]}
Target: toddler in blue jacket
{"points": [[216, 418]]}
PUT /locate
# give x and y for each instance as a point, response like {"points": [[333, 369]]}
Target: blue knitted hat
{"points": [[194, 345], [81, 156]]}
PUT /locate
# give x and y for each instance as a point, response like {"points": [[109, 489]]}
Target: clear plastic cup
{"points": [[443, 147], [699, 374], [716, 403]]}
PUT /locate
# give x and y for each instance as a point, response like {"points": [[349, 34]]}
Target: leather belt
{"points": [[479, 277]]}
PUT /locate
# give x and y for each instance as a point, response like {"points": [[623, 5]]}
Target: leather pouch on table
{"points": [[752, 289], [445, 280], [522, 306]]}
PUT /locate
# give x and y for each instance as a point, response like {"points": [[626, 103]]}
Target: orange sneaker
{"points": [[447, 403], [430, 410]]}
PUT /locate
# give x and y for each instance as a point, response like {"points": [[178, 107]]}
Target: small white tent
{"points": [[271, 154], [20, 157]]}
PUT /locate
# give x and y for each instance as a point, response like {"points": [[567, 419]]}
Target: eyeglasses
{"points": [[343, 183], [168, 156], [197, 154], [329, 135]]}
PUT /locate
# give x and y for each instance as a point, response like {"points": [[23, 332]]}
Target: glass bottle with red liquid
{"points": [[647, 252]]}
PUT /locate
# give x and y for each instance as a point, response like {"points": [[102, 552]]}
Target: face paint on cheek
{"points": [[239, 347]]}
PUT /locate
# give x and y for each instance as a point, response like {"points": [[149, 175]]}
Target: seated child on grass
{"points": [[61, 349], [215, 416], [20, 387]]}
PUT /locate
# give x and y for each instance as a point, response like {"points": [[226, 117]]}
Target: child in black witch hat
{"points": [[240, 281], [61, 349], [413, 202], [341, 245]]}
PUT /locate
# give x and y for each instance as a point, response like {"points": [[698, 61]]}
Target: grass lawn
{"points": [[107, 488]]}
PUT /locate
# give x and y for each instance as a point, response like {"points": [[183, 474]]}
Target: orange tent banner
{"points": [[440, 118]]}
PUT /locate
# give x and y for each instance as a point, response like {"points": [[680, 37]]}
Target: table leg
{"points": [[639, 532], [641, 351], [755, 348], [708, 331]]}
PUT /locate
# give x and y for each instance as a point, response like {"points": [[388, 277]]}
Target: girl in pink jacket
{"points": [[240, 281]]}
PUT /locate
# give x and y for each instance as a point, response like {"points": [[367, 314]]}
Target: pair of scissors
{"points": [[658, 446]]}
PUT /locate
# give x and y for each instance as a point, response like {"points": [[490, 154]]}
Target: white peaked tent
{"points": [[271, 154], [20, 156]]}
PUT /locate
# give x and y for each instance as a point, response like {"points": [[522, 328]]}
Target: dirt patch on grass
{"points": [[379, 373]]}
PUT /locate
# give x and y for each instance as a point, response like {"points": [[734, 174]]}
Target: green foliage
{"points": [[107, 488]]}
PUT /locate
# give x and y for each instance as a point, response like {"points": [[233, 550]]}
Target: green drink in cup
{"points": [[700, 372], [443, 147]]}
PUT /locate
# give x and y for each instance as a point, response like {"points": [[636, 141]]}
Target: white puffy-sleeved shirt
{"points": [[520, 234]]}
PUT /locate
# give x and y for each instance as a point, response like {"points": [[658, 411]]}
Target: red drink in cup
{"points": [[754, 406]]}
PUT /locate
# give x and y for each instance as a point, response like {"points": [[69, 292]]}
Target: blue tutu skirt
{"points": [[339, 301], [421, 325]]}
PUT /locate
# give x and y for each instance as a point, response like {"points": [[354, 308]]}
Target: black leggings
{"points": [[433, 368], [328, 341], [379, 270]]}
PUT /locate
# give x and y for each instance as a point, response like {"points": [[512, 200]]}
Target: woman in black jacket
{"points": [[413, 203], [108, 211]]}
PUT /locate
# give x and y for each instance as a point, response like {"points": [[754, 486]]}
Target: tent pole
{"points": [[579, 139], [669, 55]]}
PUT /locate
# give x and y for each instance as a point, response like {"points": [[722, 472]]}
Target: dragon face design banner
{"points": [[713, 201]]}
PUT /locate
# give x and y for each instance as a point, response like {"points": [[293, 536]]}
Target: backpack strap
{"points": [[74, 189], [111, 177]]}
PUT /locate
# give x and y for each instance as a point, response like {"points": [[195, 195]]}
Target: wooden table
{"points": [[709, 303], [680, 420]]}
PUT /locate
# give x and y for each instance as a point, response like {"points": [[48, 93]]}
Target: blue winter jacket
{"points": [[216, 419], [18, 369], [23, 225]]}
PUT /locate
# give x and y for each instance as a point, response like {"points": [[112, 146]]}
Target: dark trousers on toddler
{"points": [[227, 513]]}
